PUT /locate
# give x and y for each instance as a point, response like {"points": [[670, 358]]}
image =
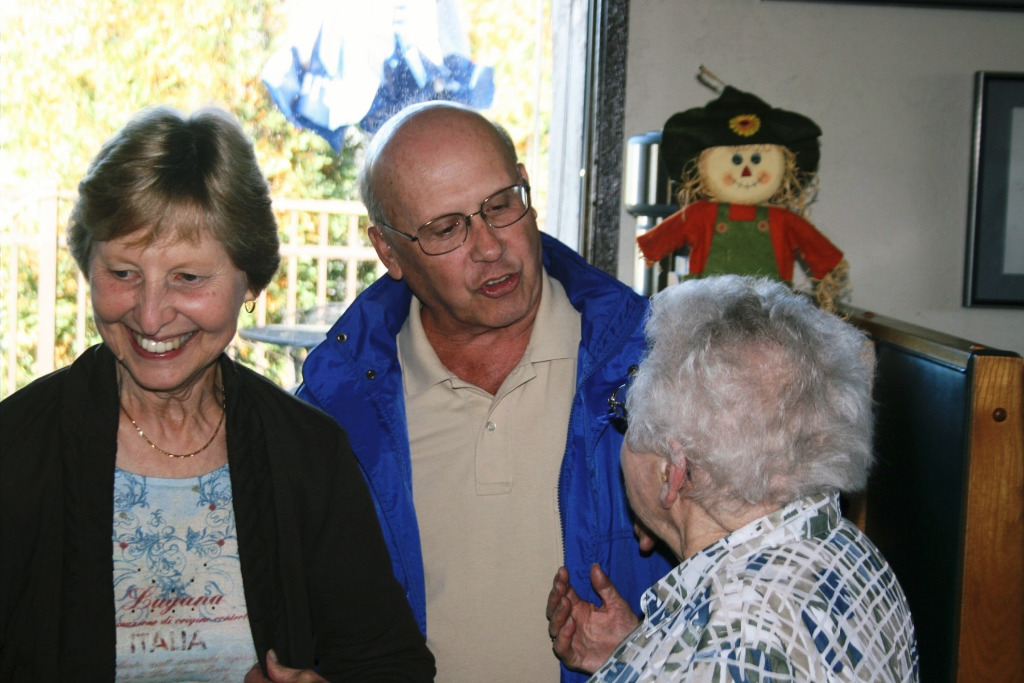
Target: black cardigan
{"points": [[316, 574]]}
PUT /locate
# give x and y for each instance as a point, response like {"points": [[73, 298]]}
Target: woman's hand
{"points": [[281, 674], [584, 635]]}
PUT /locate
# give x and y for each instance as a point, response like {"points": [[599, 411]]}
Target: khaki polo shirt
{"points": [[485, 475]]}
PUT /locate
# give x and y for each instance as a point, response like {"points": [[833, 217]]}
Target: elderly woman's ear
{"points": [[673, 480]]}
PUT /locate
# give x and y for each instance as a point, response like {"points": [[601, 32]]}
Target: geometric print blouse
{"points": [[800, 594]]}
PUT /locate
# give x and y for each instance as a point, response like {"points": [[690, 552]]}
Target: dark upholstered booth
{"points": [[945, 502]]}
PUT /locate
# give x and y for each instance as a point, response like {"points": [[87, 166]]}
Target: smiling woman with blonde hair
{"points": [[165, 513]]}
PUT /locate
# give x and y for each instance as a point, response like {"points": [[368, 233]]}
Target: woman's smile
{"points": [[160, 347]]}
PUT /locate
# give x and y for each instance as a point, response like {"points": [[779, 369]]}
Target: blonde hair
{"points": [[164, 173]]}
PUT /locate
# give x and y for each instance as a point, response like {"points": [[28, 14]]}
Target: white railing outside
{"points": [[45, 316]]}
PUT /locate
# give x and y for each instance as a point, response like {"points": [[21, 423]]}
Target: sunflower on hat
{"points": [[745, 124]]}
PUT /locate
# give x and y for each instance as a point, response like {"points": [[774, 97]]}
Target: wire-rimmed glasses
{"points": [[449, 232]]}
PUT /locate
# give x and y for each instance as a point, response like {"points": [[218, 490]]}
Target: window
{"points": [[75, 72]]}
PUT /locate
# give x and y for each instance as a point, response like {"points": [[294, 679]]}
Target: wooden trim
{"points": [[991, 640], [953, 351]]}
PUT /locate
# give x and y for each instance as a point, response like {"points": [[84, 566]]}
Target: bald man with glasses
{"points": [[473, 381]]}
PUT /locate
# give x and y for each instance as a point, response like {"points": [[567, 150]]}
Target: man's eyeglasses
{"points": [[447, 233]]}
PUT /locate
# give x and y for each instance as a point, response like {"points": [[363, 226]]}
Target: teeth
{"points": [[161, 346], [491, 283]]}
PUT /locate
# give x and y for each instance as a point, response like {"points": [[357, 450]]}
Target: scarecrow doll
{"points": [[745, 172]]}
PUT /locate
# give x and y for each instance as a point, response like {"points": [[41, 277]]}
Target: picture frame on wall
{"points": [[994, 268]]}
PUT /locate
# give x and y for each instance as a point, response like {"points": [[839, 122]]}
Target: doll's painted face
{"points": [[742, 174]]}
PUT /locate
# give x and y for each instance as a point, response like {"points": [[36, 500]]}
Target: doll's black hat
{"points": [[737, 118]]}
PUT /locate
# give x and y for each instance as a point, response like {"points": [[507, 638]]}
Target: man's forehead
{"points": [[432, 154], [443, 131]]}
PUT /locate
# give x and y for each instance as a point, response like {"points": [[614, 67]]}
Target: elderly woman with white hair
{"points": [[749, 415]]}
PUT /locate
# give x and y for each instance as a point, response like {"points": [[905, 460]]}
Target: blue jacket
{"points": [[355, 376]]}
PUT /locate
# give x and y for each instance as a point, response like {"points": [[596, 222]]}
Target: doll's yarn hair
{"points": [[796, 192]]}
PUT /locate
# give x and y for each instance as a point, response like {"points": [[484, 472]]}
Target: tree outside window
{"points": [[74, 71]]}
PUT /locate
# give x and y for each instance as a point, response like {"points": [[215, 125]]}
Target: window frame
{"points": [[585, 190]]}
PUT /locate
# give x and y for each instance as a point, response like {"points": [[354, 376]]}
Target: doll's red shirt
{"points": [[694, 226]]}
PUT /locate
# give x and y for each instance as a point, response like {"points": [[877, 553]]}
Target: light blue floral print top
{"points": [[180, 607]]}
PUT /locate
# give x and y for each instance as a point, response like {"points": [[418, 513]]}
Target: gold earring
{"points": [[250, 306]]}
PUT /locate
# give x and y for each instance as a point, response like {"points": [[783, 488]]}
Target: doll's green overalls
{"points": [[742, 247]]}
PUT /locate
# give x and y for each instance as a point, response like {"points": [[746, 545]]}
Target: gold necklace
{"points": [[213, 436]]}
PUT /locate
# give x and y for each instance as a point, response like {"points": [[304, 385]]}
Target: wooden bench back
{"points": [[945, 502]]}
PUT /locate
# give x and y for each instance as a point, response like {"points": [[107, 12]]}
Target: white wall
{"points": [[892, 89]]}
